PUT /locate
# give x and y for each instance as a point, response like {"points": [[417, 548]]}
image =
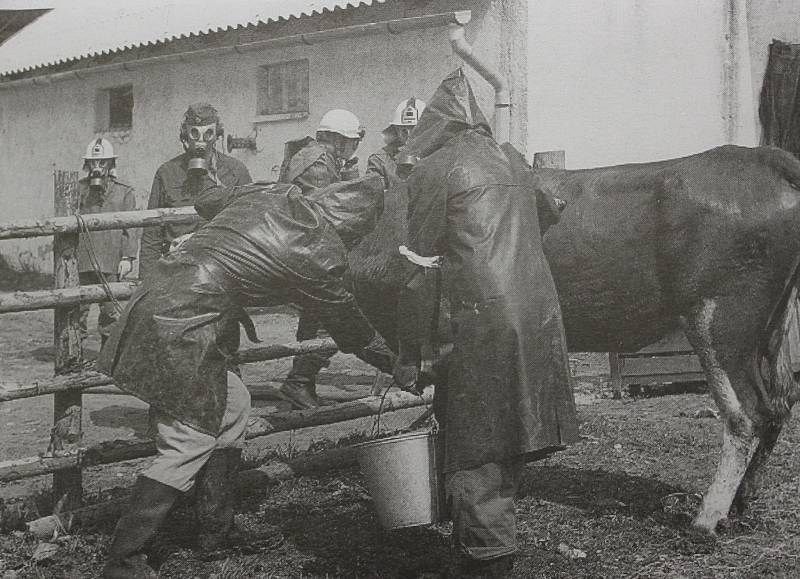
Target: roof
{"points": [[12, 21], [76, 29]]}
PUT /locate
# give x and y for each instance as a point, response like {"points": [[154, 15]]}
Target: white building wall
{"points": [[43, 128], [47, 127], [619, 81]]}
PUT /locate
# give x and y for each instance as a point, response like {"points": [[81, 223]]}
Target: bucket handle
{"points": [[376, 423]]}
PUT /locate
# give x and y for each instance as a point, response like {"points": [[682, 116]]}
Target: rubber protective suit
{"points": [[264, 244], [505, 393]]}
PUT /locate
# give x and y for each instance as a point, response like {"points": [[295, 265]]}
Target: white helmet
{"points": [[342, 122], [408, 112], [99, 149]]}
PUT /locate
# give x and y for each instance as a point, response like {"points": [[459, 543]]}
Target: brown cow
{"points": [[708, 243]]}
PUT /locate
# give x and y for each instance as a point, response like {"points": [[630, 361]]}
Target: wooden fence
{"points": [[72, 377]]}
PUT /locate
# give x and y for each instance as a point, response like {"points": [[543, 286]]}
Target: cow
{"points": [[708, 244]]}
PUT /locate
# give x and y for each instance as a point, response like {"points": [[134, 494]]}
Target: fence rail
{"points": [[260, 424], [90, 378], [68, 296], [98, 222], [67, 384]]}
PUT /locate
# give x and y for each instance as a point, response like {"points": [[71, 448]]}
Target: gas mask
{"points": [[98, 172], [396, 135], [405, 164], [198, 141]]}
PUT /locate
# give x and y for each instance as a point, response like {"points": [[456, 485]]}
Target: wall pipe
{"points": [[502, 99], [392, 27]]}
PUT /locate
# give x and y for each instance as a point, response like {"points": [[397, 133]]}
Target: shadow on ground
{"points": [[599, 492]]}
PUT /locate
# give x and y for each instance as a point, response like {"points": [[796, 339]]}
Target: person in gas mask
{"points": [[503, 396], [312, 163], [103, 255], [376, 268], [178, 182], [175, 344]]}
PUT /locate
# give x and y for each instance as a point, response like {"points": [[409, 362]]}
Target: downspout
{"points": [[502, 100]]}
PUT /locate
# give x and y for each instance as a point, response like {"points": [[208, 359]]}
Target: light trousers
{"points": [[183, 451]]}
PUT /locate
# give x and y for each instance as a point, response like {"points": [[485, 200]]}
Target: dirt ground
{"points": [[617, 504]]}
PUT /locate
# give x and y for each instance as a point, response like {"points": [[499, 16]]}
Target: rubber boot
{"points": [[148, 507], [216, 492], [300, 386]]}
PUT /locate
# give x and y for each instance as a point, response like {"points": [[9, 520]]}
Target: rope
{"points": [[90, 249]]}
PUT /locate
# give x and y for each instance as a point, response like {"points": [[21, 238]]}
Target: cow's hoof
{"points": [[741, 503], [702, 532]]}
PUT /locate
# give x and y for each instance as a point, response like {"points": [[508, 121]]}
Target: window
{"points": [[114, 108], [283, 88]]}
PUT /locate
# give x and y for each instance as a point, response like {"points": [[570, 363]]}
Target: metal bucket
{"points": [[400, 472]]}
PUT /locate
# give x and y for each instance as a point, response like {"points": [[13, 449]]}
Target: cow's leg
{"points": [[739, 439], [749, 485]]}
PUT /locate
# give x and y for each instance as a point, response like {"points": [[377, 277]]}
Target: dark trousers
{"points": [[480, 500], [481, 504], [305, 367]]}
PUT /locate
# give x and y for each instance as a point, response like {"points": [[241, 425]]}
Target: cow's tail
{"points": [[775, 376]]}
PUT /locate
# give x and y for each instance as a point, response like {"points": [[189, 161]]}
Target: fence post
{"points": [[67, 406]]}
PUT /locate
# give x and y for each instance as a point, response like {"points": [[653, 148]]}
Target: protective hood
{"points": [[452, 110], [352, 207]]}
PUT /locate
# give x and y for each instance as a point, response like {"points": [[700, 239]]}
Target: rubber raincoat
{"points": [[265, 244], [377, 270], [508, 392]]}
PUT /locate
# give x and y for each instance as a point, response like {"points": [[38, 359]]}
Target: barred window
{"points": [[283, 88]]}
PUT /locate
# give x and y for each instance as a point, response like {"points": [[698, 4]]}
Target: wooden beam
{"points": [[248, 481], [261, 424], [65, 382], [64, 296], [98, 222], [276, 351], [92, 378]]}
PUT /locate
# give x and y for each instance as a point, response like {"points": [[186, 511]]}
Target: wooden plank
{"points": [[98, 222], [275, 351], [261, 424], [92, 378], [264, 424], [67, 296], [645, 379], [250, 480], [671, 359], [661, 365], [67, 405]]}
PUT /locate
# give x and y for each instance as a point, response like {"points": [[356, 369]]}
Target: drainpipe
{"points": [[502, 101]]}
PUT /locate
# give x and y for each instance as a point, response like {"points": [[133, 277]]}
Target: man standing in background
{"points": [[179, 181], [103, 256], [312, 164]]}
